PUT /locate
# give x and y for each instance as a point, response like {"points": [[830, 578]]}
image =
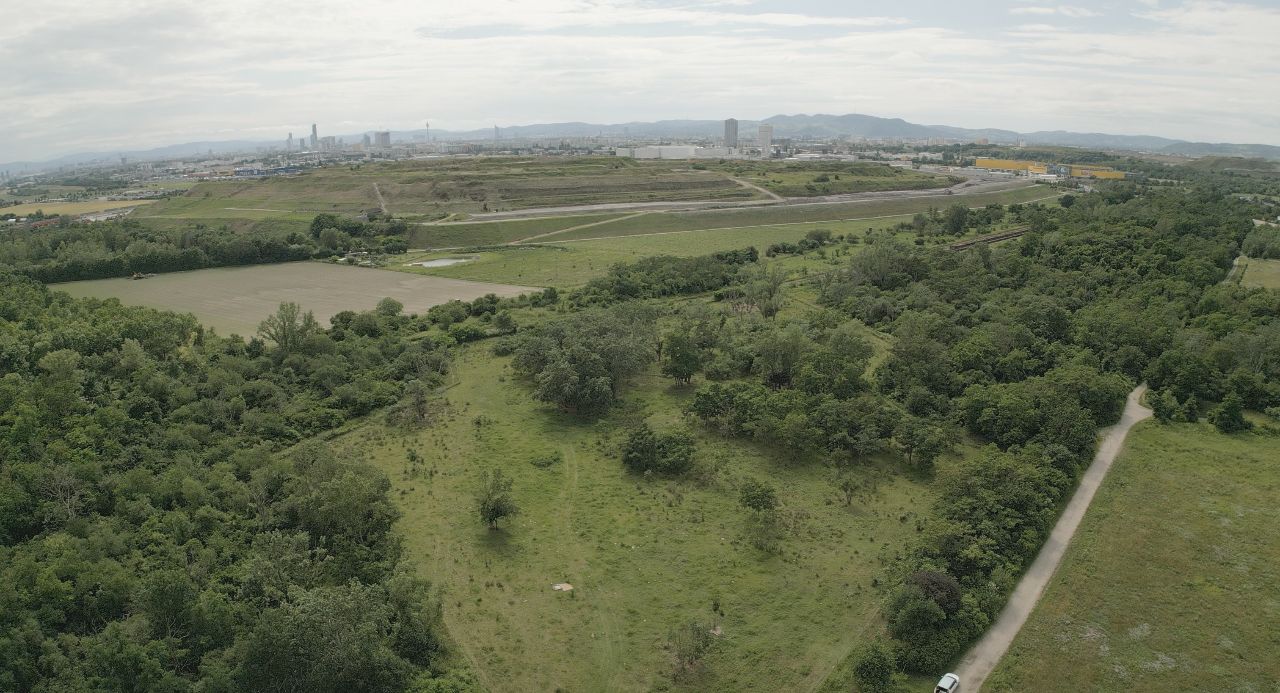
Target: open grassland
{"points": [[661, 222], [494, 232], [1173, 580], [572, 263], [1261, 273], [436, 187], [237, 299], [563, 228], [645, 556], [80, 207], [324, 190]]}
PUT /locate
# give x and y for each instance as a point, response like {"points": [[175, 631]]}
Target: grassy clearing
{"points": [[1261, 273], [1173, 580], [567, 264], [81, 207], [644, 556]]}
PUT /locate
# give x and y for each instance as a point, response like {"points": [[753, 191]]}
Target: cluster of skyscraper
{"points": [[764, 137], [380, 139]]}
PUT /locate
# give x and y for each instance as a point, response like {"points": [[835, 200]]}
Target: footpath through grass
{"points": [[1172, 581], [645, 556]]}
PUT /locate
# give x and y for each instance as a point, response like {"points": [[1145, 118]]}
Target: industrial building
{"points": [[1042, 169], [676, 151]]}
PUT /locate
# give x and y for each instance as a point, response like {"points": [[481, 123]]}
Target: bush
{"points": [[875, 668], [758, 496], [670, 454]]}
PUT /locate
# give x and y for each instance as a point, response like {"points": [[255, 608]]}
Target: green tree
{"points": [[757, 496], [1164, 406], [683, 357], [389, 307], [1229, 416], [494, 501], [875, 667], [289, 327]]}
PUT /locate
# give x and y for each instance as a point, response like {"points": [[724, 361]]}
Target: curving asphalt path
{"points": [[978, 664]]}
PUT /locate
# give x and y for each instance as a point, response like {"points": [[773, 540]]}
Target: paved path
{"points": [[578, 227], [982, 659], [381, 201]]}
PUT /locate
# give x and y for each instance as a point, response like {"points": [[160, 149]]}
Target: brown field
{"points": [[236, 299], [81, 207]]}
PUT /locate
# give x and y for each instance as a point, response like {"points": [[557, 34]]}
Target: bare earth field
{"points": [[236, 299], [81, 207]]}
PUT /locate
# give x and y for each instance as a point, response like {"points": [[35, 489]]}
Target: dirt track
{"points": [[980, 661]]}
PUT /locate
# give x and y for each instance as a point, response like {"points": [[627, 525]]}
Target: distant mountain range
{"points": [[797, 126]]}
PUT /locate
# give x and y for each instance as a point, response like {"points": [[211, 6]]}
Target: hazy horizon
{"points": [[144, 74]]}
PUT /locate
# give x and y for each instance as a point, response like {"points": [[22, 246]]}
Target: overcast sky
{"points": [[111, 75]]}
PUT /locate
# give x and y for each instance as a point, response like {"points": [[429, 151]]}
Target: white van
{"points": [[949, 683]]}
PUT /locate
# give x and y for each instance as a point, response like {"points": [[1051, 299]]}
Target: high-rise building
{"points": [[382, 139], [495, 134], [288, 144], [366, 141], [315, 139], [765, 140], [731, 133]]}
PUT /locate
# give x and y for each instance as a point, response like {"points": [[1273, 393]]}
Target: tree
{"points": [[389, 307], [1229, 416], [757, 496], [665, 453], [875, 668], [684, 358], [494, 500], [504, 323], [289, 327], [921, 441], [955, 219], [689, 645], [1164, 406]]}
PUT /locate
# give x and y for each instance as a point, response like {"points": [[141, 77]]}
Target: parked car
{"points": [[949, 683]]}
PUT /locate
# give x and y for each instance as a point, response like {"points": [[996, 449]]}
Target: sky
{"points": [[115, 75]]}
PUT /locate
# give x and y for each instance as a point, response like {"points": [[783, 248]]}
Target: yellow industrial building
{"points": [[1036, 167]]}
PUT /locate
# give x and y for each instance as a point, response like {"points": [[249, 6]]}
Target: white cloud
{"points": [[134, 73], [1064, 10]]}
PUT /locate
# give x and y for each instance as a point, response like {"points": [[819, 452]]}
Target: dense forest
{"points": [[161, 528]]}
